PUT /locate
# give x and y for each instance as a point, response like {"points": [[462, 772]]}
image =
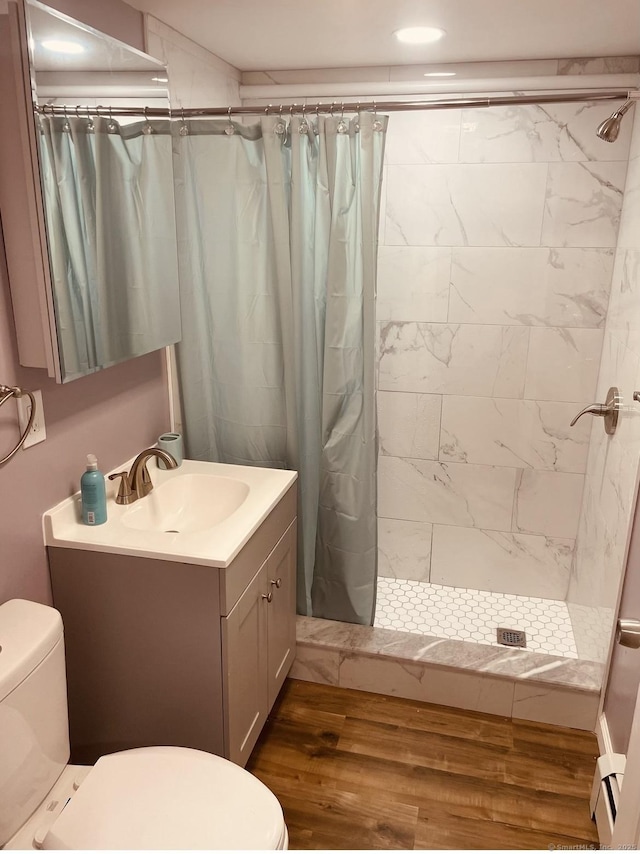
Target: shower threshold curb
{"points": [[496, 680]]}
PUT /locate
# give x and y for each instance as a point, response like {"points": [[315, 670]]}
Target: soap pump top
{"points": [[93, 494]]}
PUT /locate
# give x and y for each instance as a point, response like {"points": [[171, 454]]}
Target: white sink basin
{"points": [[187, 503], [201, 513]]}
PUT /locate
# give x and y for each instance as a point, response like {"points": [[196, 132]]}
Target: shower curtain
{"points": [[277, 235], [111, 231]]}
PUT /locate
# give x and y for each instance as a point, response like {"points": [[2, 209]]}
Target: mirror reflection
{"points": [[107, 184]]}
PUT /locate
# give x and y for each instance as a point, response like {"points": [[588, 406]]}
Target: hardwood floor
{"points": [[364, 771]]}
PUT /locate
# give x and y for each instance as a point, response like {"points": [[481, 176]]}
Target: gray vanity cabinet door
{"points": [[244, 663], [281, 626]]}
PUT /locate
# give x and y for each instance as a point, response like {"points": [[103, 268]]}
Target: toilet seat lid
{"points": [[168, 798]]}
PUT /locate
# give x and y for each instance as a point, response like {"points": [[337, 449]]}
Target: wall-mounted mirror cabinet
{"points": [[86, 195]]}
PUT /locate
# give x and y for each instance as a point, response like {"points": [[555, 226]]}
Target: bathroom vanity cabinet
{"points": [[167, 652]]}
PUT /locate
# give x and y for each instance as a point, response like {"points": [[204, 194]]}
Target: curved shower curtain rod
{"points": [[339, 107]]}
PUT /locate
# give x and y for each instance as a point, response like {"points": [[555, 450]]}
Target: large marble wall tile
{"points": [[608, 502], [476, 205], [409, 424], [404, 549], [316, 665], [600, 65], [548, 502], [563, 364], [583, 203], [413, 283], [623, 319], [531, 133], [521, 564], [501, 432], [634, 149], [453, 358], [591, 630], [532, 287], [559, 706], [427, 684], [426, 491], [427, 136], [628, 237]]}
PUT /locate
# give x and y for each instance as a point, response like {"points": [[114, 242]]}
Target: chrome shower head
{"points": [[610, 128]]}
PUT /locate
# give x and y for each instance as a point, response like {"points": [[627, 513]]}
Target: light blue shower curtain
{"points": [[277, 231], [110, 221]]}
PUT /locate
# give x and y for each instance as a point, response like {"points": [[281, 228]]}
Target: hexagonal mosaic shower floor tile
{"points": [[473, 615]]}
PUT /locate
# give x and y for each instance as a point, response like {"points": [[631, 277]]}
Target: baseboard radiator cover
{"points": [[605, 794]]}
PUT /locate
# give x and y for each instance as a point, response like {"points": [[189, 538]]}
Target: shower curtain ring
{"points": [[280, 126], [229, 130], [377, 124], [333, 103], [147, 129], [303, 127], [342, 125], [184, 130]]}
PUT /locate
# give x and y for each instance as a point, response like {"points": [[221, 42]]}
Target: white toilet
{"points": [[150, 798]]}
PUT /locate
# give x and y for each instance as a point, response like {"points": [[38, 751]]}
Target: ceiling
{"points": [[265, 35]]}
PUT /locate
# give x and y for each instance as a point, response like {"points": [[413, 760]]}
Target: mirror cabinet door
{"points": [[99, 173]]}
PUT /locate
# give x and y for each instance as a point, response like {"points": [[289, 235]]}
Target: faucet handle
{"points": [[144, 485], [608, 410], [125, 493]]}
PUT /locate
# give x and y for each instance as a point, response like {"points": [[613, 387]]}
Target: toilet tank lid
{"points": [[28, 633]]}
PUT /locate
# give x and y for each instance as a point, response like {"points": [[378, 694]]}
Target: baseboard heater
{"points": [[605, 794]]}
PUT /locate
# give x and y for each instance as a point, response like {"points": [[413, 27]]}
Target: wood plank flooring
{"points": [[367, 771]]}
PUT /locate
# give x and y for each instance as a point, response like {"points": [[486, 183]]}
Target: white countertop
{"points": [[215, 546]]}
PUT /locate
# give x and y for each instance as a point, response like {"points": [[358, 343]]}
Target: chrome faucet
{"points": [[137, 483]]}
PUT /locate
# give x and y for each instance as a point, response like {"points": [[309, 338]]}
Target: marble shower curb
{"points": [[507, 682]]}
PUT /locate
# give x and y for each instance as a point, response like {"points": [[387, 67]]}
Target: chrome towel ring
{"points": [[13, 391]]}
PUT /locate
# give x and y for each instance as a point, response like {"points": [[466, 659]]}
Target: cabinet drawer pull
{"points": [[277, 583], [268, 596]]}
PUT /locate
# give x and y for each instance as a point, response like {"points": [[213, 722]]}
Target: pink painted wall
{"points": [[113, 414]]}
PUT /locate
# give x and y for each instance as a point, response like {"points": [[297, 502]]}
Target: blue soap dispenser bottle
{"points": [[93, 493]]}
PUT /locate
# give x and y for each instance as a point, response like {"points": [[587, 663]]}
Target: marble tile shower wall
{"points": [[497, 243], [612, 469]]}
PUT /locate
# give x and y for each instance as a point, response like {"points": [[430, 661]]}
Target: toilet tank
{"points": [[34, 731]]}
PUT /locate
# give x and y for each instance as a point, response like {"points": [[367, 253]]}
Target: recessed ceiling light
{"points": [[440, 74], [419, 35], [60, 46]]}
